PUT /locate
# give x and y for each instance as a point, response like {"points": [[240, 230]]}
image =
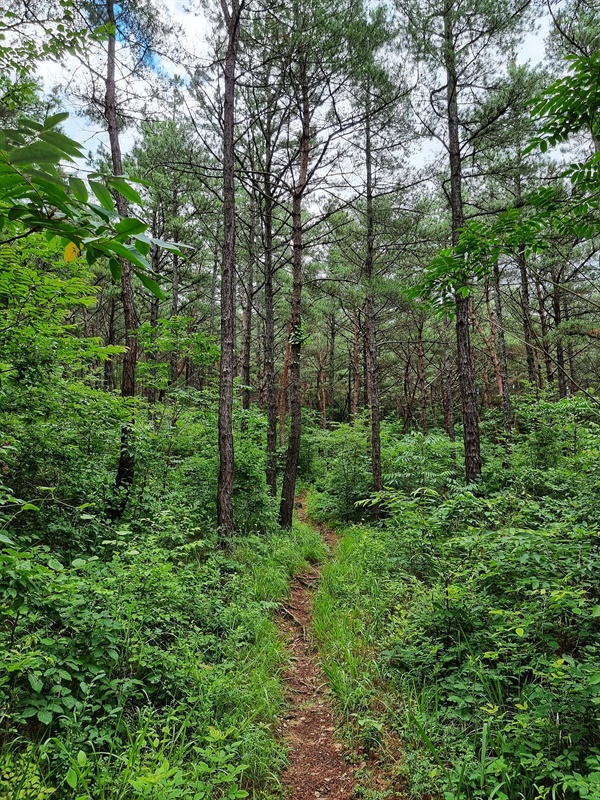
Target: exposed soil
{"points": [[317, 766]]}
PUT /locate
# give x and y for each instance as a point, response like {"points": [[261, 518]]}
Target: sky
{"points": [[194, 37]]}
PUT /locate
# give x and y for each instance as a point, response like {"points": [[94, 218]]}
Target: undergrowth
{"points": [[468, 620]]}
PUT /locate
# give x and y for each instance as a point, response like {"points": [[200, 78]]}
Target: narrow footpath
{"points": [[317, 767]]}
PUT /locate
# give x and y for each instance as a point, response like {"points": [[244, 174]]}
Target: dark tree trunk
{"points": [[421, 376], [247, 314], [544, 327], [527, 321], [286, 508], [466, 372], [355, 365], [126, 466], [332, 332], [560, 352], [270, 391], [372, 377], [447, 393], [502, 359], [225, 521]]}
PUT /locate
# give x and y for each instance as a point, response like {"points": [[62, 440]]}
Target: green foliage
{"points": [[469, 621]]}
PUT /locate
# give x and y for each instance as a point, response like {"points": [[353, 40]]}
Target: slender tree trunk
{"points": [[126, 467], [421, 376], [526, 312], [247, 314], [503, 361], [355, 365], [286, 509], [447, 393], [572, 384], [466, 373], [372, 377], [285, 379], [544, 326], [332, 332], [560, 352], [225, 520], [269, 349], [109, 378]]}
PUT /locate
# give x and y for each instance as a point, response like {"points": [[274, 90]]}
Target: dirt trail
{"points": [[317, 767]]}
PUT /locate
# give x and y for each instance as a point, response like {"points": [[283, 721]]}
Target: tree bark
{"points": [[247, 314], [225, 520], [269, 348], [286, 508], [526, 312], [466, 373], [502, 358], [560, 352], [126, 467], [372, 377]]}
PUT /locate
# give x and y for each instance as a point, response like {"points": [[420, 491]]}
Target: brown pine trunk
{"points": [[526, 314], [372, 377], [502, 358], [332, 332], [225, 521], [285, 379], [269, 348], [355, 366], [466, 373], [126, 466], [544, 326], [247, 315], [421, 377], [286, 508], [560, 352]]}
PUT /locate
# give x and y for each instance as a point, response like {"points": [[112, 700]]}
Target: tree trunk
{"points": [[285, 377], [332, 332], [269, 349], [503, 361], [421, 376], [225, 522], [247, 314], [544, 326], [372, 378], [126, 466], [466, 373], [560, 352], [527, 321], [355, 365], [286, 509]]}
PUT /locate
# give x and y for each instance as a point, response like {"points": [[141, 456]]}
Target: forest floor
{"points": [[317, 767]]}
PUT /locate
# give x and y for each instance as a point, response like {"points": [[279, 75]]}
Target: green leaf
{"points": [[103, 195], [81, 758], [36, 683], [79, 189], [130, 226], [55, 119], [125, 189], [520, 632], [116, 270], [151, 285], [72, 778], [44, 716]]}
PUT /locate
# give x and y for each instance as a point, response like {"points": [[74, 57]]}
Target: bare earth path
{"points": [[317, 767]]}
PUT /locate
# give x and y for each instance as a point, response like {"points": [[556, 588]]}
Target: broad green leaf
{"points": [[72, 778], [44, 716], [79, 189], [130, 226], [151, 285], [103, 194], [125, 189]]}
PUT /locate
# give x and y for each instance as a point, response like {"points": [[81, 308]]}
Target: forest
{"points": [[300, 399]]}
